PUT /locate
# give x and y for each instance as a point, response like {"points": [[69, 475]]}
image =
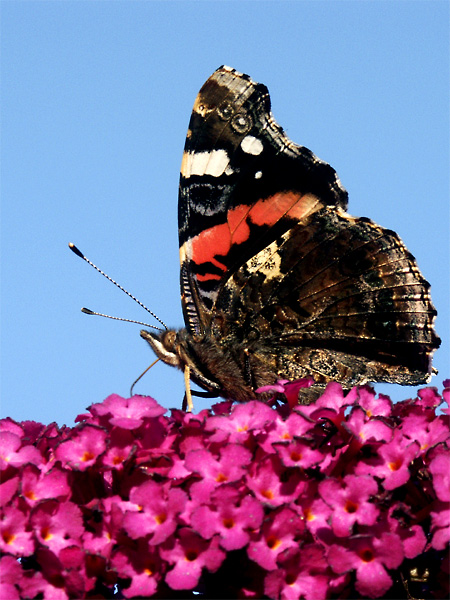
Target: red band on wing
{"points": [[208, 277], [284, 204], [217, 241]]}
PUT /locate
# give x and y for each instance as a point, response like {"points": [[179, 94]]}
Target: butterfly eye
{"points": [[241, 123], [169, 338]]}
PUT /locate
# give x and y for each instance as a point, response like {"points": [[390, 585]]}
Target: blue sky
{"points": [[96, 99]]}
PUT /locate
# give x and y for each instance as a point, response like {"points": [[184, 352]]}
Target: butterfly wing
{"points": [[278, 276], [243, 183], [337, 298]]}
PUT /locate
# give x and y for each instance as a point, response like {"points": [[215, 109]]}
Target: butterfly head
{"points": [[185, 351], [164, 345]]}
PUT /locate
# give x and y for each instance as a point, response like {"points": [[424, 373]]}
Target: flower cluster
{"points": [[346, 497]]}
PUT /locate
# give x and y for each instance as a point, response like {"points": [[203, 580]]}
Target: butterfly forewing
{"points": [[231, 203]]}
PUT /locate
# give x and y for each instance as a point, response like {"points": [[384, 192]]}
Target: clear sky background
{"points": [[96, 99]]}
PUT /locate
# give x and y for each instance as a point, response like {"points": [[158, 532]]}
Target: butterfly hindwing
{"points": [[334, 297]]}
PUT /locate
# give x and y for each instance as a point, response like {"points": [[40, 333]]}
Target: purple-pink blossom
{"points": [[142, 565], [13, 453], [190, 554], [84, 448], [392, 461], [16, 537], [271, 483], [369, 556], [277, 534], [57, 525], [302, 573], [440, 471], [230, 515], [351, 502], [262, 499], [157, 509]]}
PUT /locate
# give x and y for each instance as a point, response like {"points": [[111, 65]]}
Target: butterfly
{"points": [[278, 281]]}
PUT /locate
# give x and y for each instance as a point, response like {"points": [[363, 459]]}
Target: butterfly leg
{"points": [[187, 385]]}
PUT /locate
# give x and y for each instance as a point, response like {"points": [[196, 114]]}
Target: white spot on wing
{"points": [[251, 145], [214, 163]]}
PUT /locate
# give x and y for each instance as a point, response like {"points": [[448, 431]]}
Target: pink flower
{"points": [[61, 576], [373, 406], [14, 454], [38, 485], [368, 429], [392, 463], [272, 483], [290, 389], [316, 512], [333, 398], [8, 490], [293, 426], [427, 433], [298, 453], [156, 435], [318, 501], [440, 470], [122, 446], [278, 533], [189, 554], [370, 556], [142, 564], [230, 466], [412, 536], [440, 526], [303, 574], [11, 578], [57, 524], [83, 449], [244, 419], [16, 536], [103, 520], [276, 388], [230, 516], [157, 510], [349, 502], [429, 397], [127, 413], [12, 427]]}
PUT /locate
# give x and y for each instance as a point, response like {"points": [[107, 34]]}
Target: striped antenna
{"points": [[78, 252], [88, 311]]}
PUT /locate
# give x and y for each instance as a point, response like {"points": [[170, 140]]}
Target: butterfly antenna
{"points": [[87, 311]]}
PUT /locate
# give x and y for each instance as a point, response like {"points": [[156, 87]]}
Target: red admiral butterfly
{"points": [[277, 280]]}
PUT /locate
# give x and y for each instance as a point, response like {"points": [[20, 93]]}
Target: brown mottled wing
{"points": [[338, 298]]}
